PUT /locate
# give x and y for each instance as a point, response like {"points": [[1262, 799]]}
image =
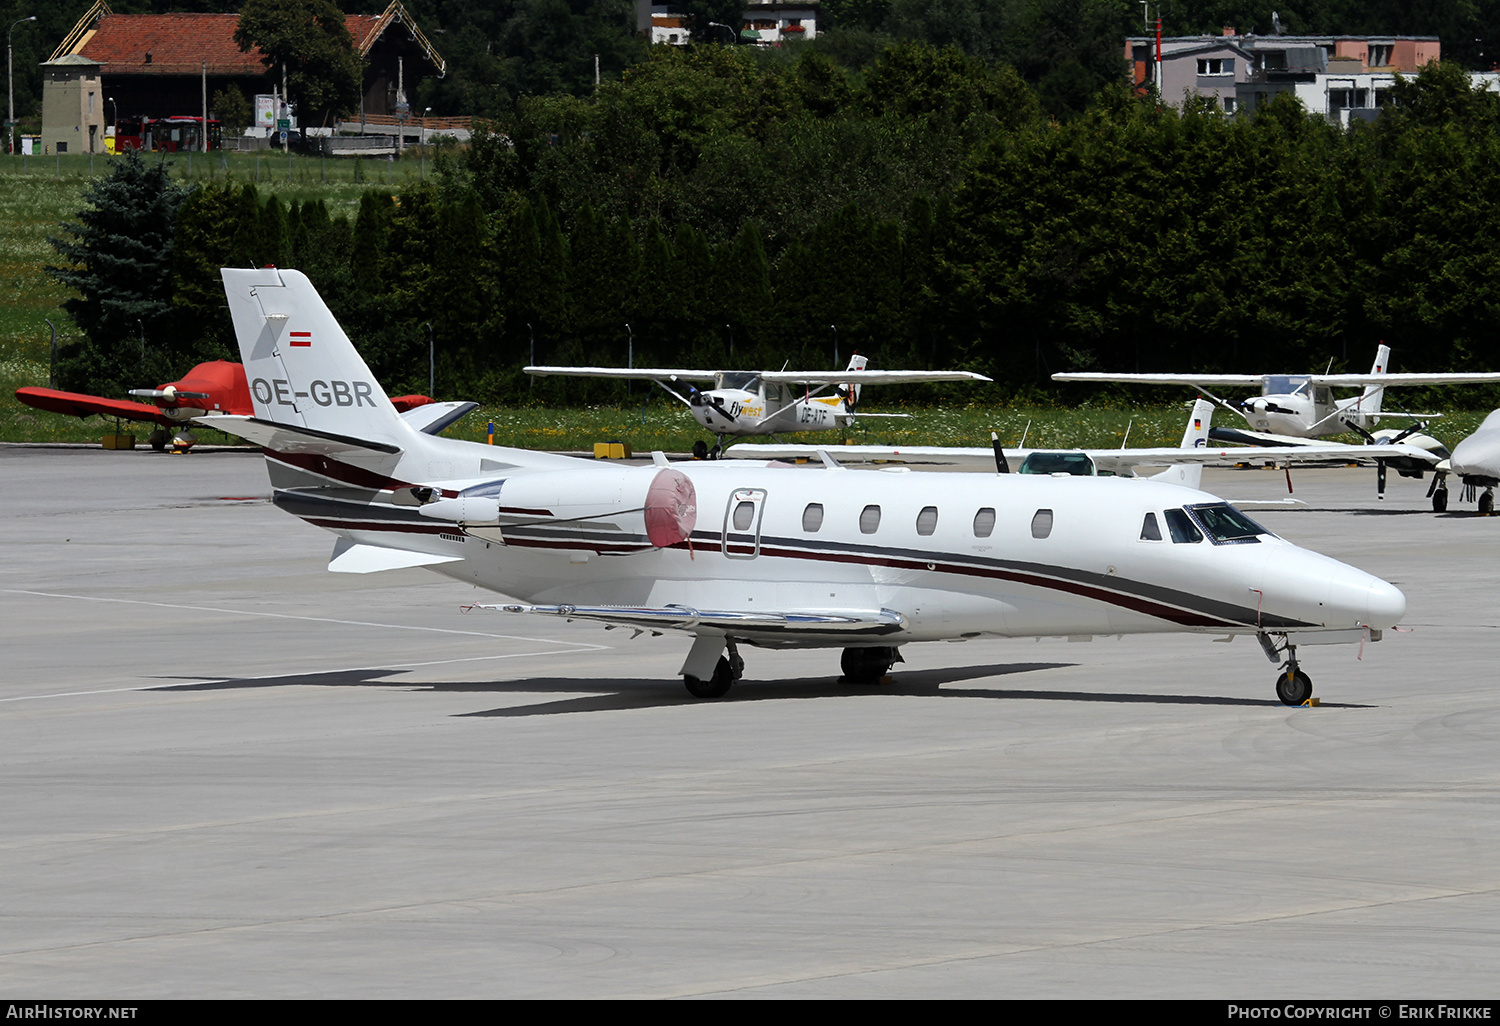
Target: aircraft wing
{"points": [[866, 377], [1348, 380], [633, 373], [1253, 380], [75, 404], [1114, 461], [730, 621], [1124, 460], [944, 454]]}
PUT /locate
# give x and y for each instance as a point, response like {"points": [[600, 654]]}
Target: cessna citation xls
{"points": [[765, 554]]}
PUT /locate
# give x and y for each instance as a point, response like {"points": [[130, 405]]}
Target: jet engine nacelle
{"points": [[657, 501]]}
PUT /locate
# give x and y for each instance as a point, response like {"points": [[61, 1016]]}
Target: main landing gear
{"points": [[1293, 686], [727, 670], [701, 451], [705, 677], [868, 665]]}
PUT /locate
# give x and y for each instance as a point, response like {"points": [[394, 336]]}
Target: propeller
{"points": [[1001, 466]]}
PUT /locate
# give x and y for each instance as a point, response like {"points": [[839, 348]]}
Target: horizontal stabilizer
{"points": [[850, 622], [353, 558], [290, 438], [432, 418]]}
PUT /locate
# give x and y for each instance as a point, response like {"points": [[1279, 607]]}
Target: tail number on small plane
{"points": [[324, 393], [810, 414]]}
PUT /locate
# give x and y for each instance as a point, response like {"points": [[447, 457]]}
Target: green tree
{"points": [[118, 260], [232, 109], [308, 39]]}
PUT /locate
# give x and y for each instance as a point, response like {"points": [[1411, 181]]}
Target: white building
{"points": [[766, 23]]}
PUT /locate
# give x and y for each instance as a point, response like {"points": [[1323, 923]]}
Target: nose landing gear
{"points": [[1293, 687]]}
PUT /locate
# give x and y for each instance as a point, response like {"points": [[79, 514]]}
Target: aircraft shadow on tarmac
{"points": [[602, 695]]}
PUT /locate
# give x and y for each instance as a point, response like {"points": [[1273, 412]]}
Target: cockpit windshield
{"points": [[1075, 463], [748, 380], [1226, 525], [1285, 384]]}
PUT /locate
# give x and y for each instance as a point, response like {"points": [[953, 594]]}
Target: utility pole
{"points": [[10, 76]]}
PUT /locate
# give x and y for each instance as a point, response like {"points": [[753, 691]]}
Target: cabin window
{"points": [[984, 522], [869, 520], [927, 520], [1181, 528], [1150, 530], [812, 517], [744, 516], [1041, 523]]}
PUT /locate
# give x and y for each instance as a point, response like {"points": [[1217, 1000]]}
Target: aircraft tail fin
{"points": [[851, 396], [1370, 398], [1195, 436], [303, 371]]}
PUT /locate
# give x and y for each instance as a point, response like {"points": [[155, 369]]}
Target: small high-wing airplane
{"points": [[765, 554], [1298, 406], [208, 390], [767, 402], [1190, 456]]}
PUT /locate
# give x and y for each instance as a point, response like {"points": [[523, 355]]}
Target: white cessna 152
{"points": [[766, 554], [767, 402], [1293, 408], [1296, 406]]}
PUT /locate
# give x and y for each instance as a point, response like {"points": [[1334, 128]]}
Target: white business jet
{"points": [[765, 554], [1476, 461], [767, 402], [1190, 456]]}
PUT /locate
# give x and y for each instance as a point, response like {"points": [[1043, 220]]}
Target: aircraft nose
{"points": [[1385, 605], [1356, 597]]}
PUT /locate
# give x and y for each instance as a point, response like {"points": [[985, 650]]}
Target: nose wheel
{"points": [[1293, 686]]}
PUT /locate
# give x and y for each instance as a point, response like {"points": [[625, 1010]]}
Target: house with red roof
{"points": [[113, 66]]}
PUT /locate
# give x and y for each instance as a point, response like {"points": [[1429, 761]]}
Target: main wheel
{"points": [[1440, 501], [700, 450], [716, 686], [867, 665], [1293, 687], [1487, 503]]}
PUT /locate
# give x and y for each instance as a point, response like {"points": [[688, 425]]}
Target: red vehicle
{"points": [[173, 134]]}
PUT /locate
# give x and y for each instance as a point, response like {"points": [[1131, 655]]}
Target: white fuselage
{"points": [[739, 411], [956, 555], [1308, 411], [1477, 458]]}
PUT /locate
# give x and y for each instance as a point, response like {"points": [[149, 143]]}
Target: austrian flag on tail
{"points": [[301, 338]]}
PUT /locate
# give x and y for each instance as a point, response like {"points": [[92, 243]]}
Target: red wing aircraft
{"points": [[208, 390]]}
